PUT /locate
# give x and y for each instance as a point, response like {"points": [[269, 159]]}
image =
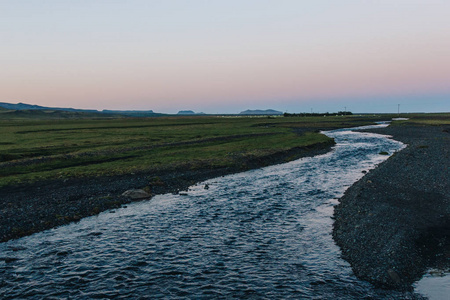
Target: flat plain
{"points": [[40, 149]]}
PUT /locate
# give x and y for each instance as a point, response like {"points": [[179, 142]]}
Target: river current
{"points": [[264, 233]]}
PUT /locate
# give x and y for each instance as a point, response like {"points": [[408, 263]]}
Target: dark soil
{"points": [[31, 208], [394, 223]]}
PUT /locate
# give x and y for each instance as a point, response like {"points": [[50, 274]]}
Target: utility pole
{"points": [[398, 110]]}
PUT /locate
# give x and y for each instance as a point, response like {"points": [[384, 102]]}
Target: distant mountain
{"points": [[133, 113], [20, 106], [29, 107], [261, 112], [107, 111], [49, 114], [24, 106], [188, 113]]}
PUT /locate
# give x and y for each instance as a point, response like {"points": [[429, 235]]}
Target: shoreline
{"points": [[394, 223], [383, 223], [31, 208]]}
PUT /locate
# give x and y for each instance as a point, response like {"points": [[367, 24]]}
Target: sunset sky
{"points": [[227, 56]]}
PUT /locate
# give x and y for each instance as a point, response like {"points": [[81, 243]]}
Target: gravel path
{"points": [[394, 223]]}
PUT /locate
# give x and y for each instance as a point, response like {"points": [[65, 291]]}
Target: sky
{"points": [[227, 56]]}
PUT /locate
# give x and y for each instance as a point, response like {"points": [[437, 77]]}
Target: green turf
{"points": [[36, 149], [433, 119]]}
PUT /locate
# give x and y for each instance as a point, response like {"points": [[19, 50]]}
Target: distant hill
{"points": [[133, 113], [49, 114], [261, 112], [108, 111], [23, 109], [24, 106], [20, 106], [188, 113]]}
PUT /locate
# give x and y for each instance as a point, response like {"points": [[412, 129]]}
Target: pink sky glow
{"points": [[226, 57]]}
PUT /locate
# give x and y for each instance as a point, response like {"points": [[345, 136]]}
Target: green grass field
{"points": [[39, 149], [425, 119]]}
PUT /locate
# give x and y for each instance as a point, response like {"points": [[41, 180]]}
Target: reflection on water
{"points": [[435, 285], [260, 234]]}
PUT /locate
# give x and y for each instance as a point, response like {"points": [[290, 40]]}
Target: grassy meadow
{"points": [[435, 119], [39, 149]]}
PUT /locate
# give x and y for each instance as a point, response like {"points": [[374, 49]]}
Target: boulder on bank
{"points": [[136, 194]]}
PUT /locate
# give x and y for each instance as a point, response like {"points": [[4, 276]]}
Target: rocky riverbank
{"points": [[31, 208], [394, 223]]}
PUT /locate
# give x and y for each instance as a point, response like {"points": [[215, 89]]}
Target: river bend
{"points": [[264, 233]]}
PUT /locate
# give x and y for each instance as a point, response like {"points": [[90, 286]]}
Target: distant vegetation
{"points": [[339, 113], [424, 119], [41, 148]]}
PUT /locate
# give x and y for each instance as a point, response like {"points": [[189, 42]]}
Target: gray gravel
{"points": [[394, 223], [30, 208]]}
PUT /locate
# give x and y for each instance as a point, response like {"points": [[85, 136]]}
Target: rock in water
{"points": [[136, 194]]}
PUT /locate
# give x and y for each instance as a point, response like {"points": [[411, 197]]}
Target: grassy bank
{"points": [[33, 150], [436, 119]]}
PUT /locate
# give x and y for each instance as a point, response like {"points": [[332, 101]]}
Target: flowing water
{"points": [[435, 284], [264, 233]]}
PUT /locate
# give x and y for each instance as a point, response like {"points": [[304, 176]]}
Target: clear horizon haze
{"points": [[227, 56]]}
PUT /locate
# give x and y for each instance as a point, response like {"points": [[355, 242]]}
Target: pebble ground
{"points": [[394, 223]]}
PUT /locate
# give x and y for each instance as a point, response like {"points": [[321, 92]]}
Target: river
{"points": [[264, 233]]}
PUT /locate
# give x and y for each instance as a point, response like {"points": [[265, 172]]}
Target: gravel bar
{"points": [[394, 223]]}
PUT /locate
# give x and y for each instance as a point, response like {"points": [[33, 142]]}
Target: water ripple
{"points": [[260, 234]]}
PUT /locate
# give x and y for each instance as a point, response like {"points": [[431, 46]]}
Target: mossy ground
{"points": [[33, 150]]}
